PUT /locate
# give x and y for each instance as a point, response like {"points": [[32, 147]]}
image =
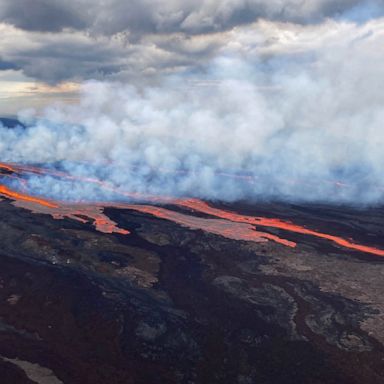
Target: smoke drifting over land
{"points": [[304, 126]]}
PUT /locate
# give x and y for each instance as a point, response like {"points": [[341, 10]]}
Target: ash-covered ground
{"points": [[169, 304]]}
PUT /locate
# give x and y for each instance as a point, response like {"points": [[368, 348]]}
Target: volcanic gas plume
{"points": [[297, 128], [217, 221]]}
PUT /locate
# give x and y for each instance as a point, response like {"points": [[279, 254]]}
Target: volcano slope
{"points": [[173, 302]]}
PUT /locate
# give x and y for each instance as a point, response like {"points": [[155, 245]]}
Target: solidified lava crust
{"points": [[188, 292]]}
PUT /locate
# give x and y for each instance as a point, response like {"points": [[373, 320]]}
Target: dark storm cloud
{"points": [[71, 55], [6, 65], [57, 60], [40, 15], [56, 40], [163, 16]]}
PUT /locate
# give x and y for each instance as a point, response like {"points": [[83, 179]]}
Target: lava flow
{"points": [[200, 206], [58, 210], [225, 228], [5, 191], [85, 212], [228, 224]]}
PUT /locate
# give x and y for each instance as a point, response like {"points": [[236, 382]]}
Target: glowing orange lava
{"points": [[7, 167], [203, 207], [225, 228], [78, 212], [225, 223], [5, 191]]}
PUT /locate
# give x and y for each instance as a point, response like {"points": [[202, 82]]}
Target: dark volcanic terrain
{"points": [[170, 304]]}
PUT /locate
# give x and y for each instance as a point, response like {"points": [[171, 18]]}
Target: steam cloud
{"points": [[298, 124]]}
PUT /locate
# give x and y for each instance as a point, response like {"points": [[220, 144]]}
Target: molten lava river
{"points": [[217, 221]]}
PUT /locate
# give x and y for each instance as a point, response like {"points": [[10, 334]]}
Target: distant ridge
{"points": [[10, 122]]}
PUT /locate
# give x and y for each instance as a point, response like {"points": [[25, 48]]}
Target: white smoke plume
{"points": [[305, 126]]}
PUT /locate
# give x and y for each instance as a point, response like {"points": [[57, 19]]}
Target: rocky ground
{"points": [[167, 304]]}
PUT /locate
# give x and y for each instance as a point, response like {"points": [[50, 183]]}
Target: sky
{"points": [[49, 48]]}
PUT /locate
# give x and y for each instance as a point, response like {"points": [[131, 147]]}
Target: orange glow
{"points": [[7, 167], [225, 228], [200, 206], [104, 224], [87, 212], [5, 191], [78, 212]]}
